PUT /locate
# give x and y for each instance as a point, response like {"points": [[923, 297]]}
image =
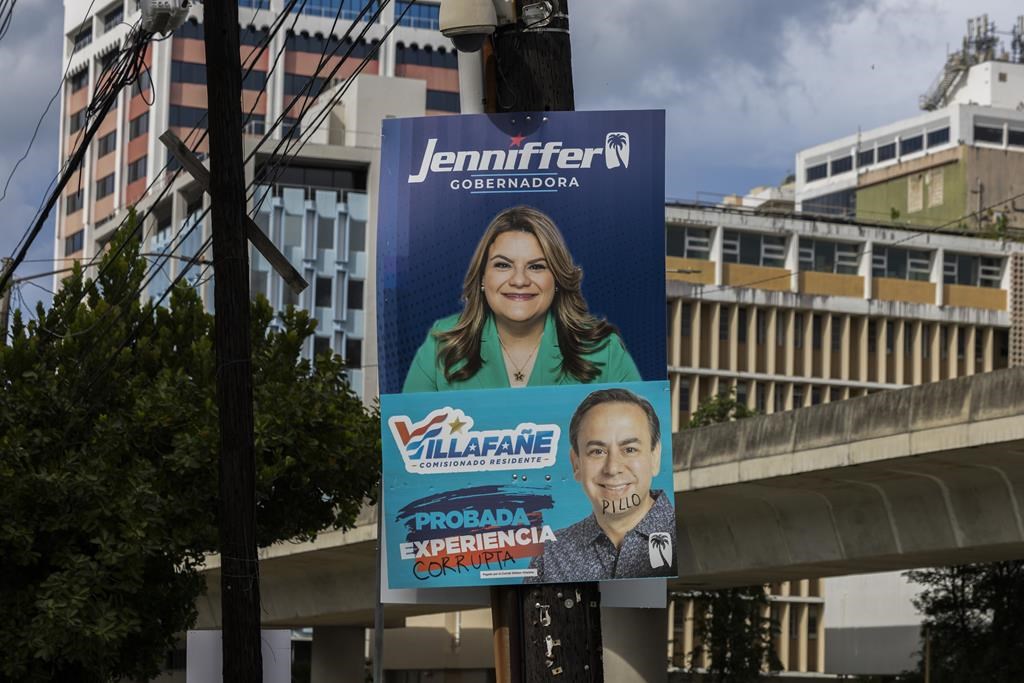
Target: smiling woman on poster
{"points": [[524, 322]]}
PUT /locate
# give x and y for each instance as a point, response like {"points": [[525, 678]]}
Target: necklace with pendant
{"points": [[518, 370]]}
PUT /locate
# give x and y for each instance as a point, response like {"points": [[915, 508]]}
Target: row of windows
{"points": [[339, 8], [353, 350], [248, 35], [187, 117], [880, 153], [323, 294], [418, 14], [79, 80], [195, 72], [828, 256], [441, 100], [303, 42], [312, 176], [994, 135], [427, 56]]}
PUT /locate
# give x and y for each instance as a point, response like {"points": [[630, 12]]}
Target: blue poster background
{"points": [[613, 223], [551, 491]]}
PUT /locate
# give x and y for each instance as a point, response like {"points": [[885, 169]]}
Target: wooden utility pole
{"points": [[544, 632], [239, 575], [5, 301]]}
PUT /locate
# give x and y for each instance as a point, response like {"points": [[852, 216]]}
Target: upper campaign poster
{"points": [[521, 332]]}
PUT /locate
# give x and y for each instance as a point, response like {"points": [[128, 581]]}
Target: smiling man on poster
{"points": [[615, 449]]}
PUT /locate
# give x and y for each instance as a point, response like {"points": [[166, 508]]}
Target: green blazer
{"points": [[427, 374]]}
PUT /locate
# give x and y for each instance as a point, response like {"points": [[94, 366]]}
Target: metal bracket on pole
{"points": [[262, 243]]}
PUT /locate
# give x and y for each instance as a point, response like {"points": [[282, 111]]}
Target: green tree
{"points": [[973, 622], [108, 468], [730, 623]]}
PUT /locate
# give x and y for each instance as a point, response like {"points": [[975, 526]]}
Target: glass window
{"points": [[187, 117], [255, 4], [354, 353], [911, 145], [188, 72], [418, 15], [73, 203], [687, 242], [321, 345], [77, 120], [250, 35], [988, 134], [254, 80], [1015, 138], [886, 152], [106, 144], [972, 270], [112, 18], [938, 137], [443, 101], [754, 248], [323, 292], [79, 80], [190, 29], [137, 170], [866, 157], [105, 186], [355, 294], [138, 126], [816, 172], [841, 165], [901, 264], [83, 38], [356, 235], [324, 233], [73, 243], [824, 256]]}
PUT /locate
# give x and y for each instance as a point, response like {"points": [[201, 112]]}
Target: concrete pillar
{"points": [[734, 337], [694, 393], [988, 349], [821, 639], [801, 636], [790, 321], [969, 344], [714, 337], [953, 342], [863, 327], [769, 341], [695, 337], [881, 353], [784, 634], [917, 373], [338, 654], [687, 631], [936, 352], [676, 333], [899, 354], [845, 340], [826, 345], [752, 339], [671, 630], [787, 395], [808, 332], [634, 644]]}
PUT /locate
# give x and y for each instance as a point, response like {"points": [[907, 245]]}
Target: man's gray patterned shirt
{"points": [[582, 552]]}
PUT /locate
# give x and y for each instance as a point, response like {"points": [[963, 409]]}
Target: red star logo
{"points": [[517, 140]]}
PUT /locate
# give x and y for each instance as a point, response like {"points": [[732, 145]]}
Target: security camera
{"points": [[163, 16], [468, 22]]}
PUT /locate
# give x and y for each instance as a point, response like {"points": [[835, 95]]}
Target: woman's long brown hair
{"points": [[579, 332]]}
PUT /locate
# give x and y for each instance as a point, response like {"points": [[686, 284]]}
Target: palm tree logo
{"points": [[616, 150], [660, 549]]}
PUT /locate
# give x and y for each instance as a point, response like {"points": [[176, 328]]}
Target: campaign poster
{"points": [[526, 422]]}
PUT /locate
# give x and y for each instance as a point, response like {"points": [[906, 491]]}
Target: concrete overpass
{"points": [[923, 476]]}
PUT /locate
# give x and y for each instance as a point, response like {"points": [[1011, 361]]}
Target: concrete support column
{"points": [[714, 336], [687, 631], [790, 338], [953, 343], [695, 337], [671, 630], [676, 333], [634, 644], [808, 333], [752, 339], [899, 355], [338, 654], [845, 340], [787, 396], [969, 343], [881, 351], [734, 337], [988, 356], [917, 373], [769, 397], [826, 345], [863, 328], [820, 668], [801, 636], [694, 393], [784, 634], [769, 341], [936, 352]]}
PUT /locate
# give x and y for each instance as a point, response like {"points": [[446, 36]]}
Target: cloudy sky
{"points": [[745, 84]]}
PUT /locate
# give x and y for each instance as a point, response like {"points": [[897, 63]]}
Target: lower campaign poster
{"points": [[547, 485]]}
